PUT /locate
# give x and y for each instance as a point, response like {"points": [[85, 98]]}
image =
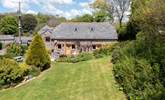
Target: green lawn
{"points": [[90, 80]]}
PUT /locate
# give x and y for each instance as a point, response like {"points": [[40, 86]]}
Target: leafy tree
{"points": [[54, 21], [29, 22], [143, 60], [84, 18], [101, 16], [102, 5], [41, 18], [37, 55], [9, 25]]}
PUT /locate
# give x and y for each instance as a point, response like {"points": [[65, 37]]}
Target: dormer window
{"points": [[94, 47], [73, 47], [59, 46], [76, 29], [92, 29], [47, 39]]}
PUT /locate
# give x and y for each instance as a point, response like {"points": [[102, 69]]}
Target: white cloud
{"points": [[31, 12], [48, 7], [74, 12], [84, 4], [13, 4]]}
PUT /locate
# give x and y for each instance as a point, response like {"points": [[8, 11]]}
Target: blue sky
{"points": [[66, 8]]}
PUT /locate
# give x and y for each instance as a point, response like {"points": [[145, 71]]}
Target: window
{"points": [[59, 46], [47, 39], [92, 29], [73, 47], [75, 29], [52, 50], [94, 47]]}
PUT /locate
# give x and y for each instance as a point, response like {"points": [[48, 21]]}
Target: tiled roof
{"points": [[103, 30], [6, 37]]}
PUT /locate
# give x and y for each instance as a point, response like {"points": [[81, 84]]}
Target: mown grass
{"points": [[89, 80]]}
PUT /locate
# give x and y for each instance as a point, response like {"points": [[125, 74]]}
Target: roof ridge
{"points": [[83, 22]]}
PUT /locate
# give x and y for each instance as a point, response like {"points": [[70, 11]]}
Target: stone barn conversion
{"points": [[73, 38]]}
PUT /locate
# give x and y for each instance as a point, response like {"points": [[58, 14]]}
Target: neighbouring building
{"points": [[8, 39], [74, 37]]}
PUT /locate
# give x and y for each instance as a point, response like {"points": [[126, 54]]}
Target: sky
{"points": [[66, 8]]}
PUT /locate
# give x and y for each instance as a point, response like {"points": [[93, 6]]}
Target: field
{"points": [[90, 80]]}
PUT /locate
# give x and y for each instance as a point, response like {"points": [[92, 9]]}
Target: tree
{"points": [[120, 8], [84, 18], [42, 19], [37, 55], [29, 22], [103, 10], [102, 5], [101, 16], [54, 21], [143, 60], [9, 25]]}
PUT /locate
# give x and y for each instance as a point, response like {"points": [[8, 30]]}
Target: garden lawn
{"points": [[89, 80]]}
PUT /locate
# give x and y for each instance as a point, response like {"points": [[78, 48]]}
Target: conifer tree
{"points": [[37, 55]]}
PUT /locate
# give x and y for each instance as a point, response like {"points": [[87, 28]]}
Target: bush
{"points": [[34, 71], [37, 55], [105, 51], [16, 50], [6, 56], [0, 46], [137, 70], [75, 59], [11, 72], [126, 32]]}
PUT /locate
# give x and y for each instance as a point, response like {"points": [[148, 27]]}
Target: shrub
{"points": [[78, 58], [6, 56], [34, 71], [10, 71], [138, 78], [37, 55], [25, 68], [105, 51], [137, 70], [0, 46], [126, 32], [16, 50]]}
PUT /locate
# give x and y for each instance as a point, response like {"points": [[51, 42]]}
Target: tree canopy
{"points": [[29, 22], [9, 25], [143, 60], [37, 55]]}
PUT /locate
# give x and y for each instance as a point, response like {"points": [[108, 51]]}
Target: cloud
{"points": [[31, 12], [84, 4], [12, 5], [66, 8]]}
